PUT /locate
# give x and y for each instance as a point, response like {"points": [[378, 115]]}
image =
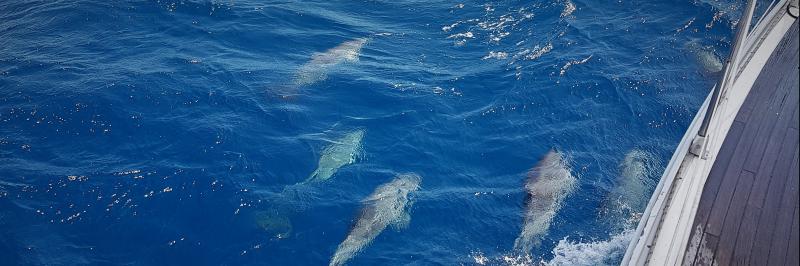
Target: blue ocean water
{"points": [[160, 132]]}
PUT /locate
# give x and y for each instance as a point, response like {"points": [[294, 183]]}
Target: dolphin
{"points": [[387, 205], [321, 64], [275, 224], [710, 61], [621, 210], [548, 184], [705, 56], [275, 220], [629, 195], [341, 152]]}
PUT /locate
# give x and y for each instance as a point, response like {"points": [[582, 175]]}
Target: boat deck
{"points": [[748, 211]]}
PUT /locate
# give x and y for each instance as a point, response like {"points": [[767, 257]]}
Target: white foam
{"points": [[479, 258], [572, 63], [723, 9], [450, 27], [569, 7], [496, 55], [517, 260], [686, 26], [604, 252], [566, 252], [539, 51], [468, 34]]}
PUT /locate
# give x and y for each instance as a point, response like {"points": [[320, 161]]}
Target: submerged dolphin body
{"points": [[295, 198], [342, 152], [548, 184], [621, 211], [710, 61], [276, 225], [706, 57], [321, 64], [387, 205], [629, 196]]}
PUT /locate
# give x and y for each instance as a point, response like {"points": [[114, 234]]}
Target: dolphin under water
{"points": [[548, 184], [294, 198], [630, 193], [709, 60], [387, 205], [621, 210], [276, 225], [317, 69], [706, 57], [341, 152]]}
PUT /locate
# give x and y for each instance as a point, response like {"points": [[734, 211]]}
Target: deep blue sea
{"points": [[181, 132]]}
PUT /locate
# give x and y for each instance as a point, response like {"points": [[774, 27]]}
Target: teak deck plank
{"points": [[783, 227], [794, 241], [727, 241]]}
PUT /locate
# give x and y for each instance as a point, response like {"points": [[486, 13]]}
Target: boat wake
{"points": [[602, 252], [568, 252]]}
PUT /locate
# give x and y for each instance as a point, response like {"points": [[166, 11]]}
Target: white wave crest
{"points": [[468, 34], [539, 51], [569, 7], [572, 63], [566, 252], [604, 252], [496, 55]]}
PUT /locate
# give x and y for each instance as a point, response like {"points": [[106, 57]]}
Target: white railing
{"points": [[731, 68]]}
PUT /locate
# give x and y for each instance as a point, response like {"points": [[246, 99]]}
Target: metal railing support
{"points": [[698, 146]]}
